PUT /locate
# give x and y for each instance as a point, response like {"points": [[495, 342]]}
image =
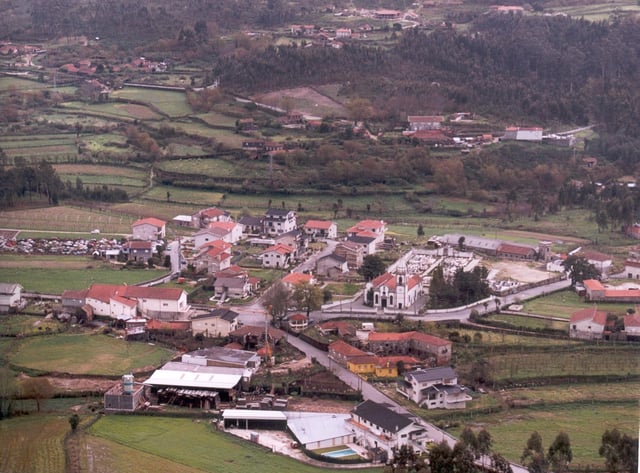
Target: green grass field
{"points": [[87, 354], [173, 104], [584, 423], [195, 445], [50, 274], [524, 322], [12, 325], [564, 303]]}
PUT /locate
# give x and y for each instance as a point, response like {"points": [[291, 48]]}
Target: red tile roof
{"points": [[632, 263], [590, 313], [515, 249], [343, 348], [593, 284], [320, 224], [367, 225], [297, 278], [156, 222], [154, 324], [298, 317], [279, 248], [399, 336], [632, 320]]}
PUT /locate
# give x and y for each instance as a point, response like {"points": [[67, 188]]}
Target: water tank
{"points": [[127, 383], [254, 437]]}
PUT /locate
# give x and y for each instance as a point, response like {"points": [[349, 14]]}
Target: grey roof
{"points": [[230, 282], [310, 427], [250, 221], [334, 257], [361, 239], [472, 241], [449, 389], [223, 354], [224, 314], [432, 374], [382, 416], [9, 288], [277, 212], [181, 366]]}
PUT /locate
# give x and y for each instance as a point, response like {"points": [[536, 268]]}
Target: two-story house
{"points": [[149, 229], [434, 388], [278, 221], [277, 256], [217, 323], [321, 229]]}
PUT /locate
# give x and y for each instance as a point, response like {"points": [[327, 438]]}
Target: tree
{"points": [[559, 453], [37, 389], [484, 442], [580, 269], [307, 297], [463, 459], [74, 421], [533, 455], [499, 464], [277, 300], [420, 230], [468, 439], [440, 458], [620, 452], [372, 267]]}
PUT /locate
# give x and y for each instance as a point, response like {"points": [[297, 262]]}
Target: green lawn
{"points": [[171, 103], [564, 303], [51, 280], [584, 423], [87, 354], [524, 322], [12, 325], [194, 444]]}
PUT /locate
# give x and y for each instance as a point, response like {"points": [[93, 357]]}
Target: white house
{"points": [[321, 229], [230, 232], [632, 268], [376, 426], [10, 296], [399, 290], [278, 221], [434, 388], [277, 256], [151, 302], [369, 227], [149, 229], [217, 323], [588, 324]]}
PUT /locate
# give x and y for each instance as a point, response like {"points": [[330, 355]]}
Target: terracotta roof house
{"points": [[230, 232], [138, 250], [516, 252], [632, 325], [340, 327], [291, 279], [434, 388], [252, 336], [341, 352], [399, 290], [298, 322], [213, 259], [149, 229], [376, 227], [151, 302], [601, 261], [411, 343], [321, 229], [588, 324], [217, 323], [277, 256]]}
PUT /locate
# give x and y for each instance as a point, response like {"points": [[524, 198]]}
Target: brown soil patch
{"points": [[305, 100], [521, 272], [545, 236]]}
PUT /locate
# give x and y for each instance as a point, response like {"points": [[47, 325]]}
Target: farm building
{"points": [[314, 430], [125, 396], [10, 296]]}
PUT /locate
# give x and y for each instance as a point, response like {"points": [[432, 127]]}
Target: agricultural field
{"points": [[584, 422], [84, 354], [127, 178], [53, 274], [527, 323], [170, 103], [564, 303], [67, 219], [33, 444], [193, 444], [599, 11]]}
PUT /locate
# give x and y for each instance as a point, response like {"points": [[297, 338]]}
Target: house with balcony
{"points": [[278, 221], [434, 388]]}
